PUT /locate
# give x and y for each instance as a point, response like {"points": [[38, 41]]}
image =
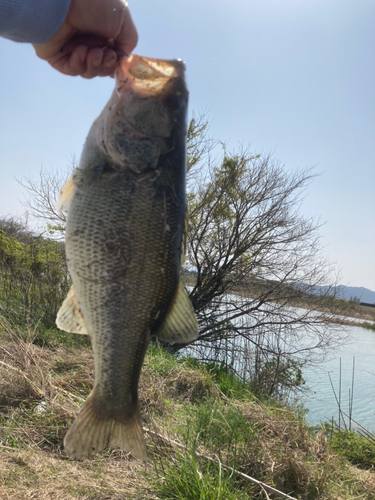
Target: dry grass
{"points": [[32, 473], [41, 391]]}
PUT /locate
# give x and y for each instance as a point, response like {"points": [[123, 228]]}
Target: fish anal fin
{"points": [[180, 325], [66, 196], [69, 317], [91, 433]]}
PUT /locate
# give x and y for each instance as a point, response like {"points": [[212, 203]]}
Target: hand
{"points": [[95, 34]]}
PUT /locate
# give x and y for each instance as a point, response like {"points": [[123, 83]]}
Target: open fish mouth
{"points": [[147, 77]]}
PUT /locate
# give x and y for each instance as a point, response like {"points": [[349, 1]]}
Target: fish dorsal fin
{"points": [[69, 317], [180, 325], [66, 196]]}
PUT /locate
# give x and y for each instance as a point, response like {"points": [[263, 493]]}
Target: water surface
{"points": [[321, 402]]}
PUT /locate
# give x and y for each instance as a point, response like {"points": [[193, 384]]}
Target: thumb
{"points": [[127, 38]]}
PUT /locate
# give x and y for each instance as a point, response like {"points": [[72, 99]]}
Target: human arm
{"points": [[33, 21], [90, 38]]}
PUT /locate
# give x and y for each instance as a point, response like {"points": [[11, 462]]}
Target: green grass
{"points": [[369, 326], [359, 450], [186, 477], [228, 383], [160, 361], [220, 426], [53, 337]]}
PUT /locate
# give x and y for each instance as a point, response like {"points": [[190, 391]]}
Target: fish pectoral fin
{"points": [[69, 317], [92, 432], [66, 196], [180, 326]]}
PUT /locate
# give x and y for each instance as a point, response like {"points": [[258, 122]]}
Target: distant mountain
{"points": [[349, 292]]}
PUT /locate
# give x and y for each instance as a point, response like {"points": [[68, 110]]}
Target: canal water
{"points": [[321, 402]]}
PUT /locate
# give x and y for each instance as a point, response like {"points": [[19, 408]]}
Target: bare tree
{"points": [[254, 262], [42, 194]]}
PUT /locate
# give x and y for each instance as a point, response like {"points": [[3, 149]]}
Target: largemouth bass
{"points": [[124, 239]]}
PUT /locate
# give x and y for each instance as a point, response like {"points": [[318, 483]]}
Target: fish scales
{"points": [[124, 236]]}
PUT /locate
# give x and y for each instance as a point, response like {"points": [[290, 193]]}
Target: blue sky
{"points": [[296, 78]]}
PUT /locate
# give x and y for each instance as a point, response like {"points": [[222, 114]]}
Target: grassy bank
{"points": [[199, 420], [369, 326]]}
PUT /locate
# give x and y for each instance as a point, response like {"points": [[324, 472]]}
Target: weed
{"points": [[221, 426], [53, 337], [159, 360], [187, 478], [229, 384], [358, 449], [369, 326]]}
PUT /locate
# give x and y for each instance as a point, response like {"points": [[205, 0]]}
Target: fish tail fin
{"points": [[90, 433]]}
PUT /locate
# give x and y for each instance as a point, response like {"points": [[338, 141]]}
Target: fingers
{"points": [[94, 35], [87, 62]]}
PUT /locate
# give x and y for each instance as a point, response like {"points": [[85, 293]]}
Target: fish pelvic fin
{"points": [[180, 325], [91, 433], [69, 318], [66, 196]]}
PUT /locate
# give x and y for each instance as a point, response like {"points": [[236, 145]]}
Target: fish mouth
{"points": [[146, 76]]}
